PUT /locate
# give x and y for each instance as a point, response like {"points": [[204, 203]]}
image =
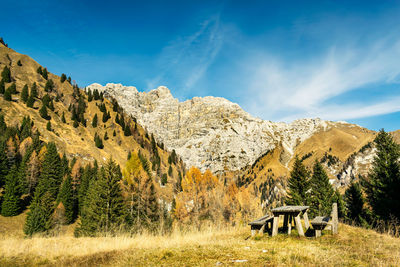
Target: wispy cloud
{"points": [[186, 59], [303, 88]]}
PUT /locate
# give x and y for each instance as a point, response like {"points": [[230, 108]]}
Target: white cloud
{"points": [[302, 88], [185, 60]]}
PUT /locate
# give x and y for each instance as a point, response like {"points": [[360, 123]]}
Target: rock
{"points": [[210, 132]]}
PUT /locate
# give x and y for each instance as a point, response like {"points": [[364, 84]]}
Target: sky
{"points": [[279, 60]]}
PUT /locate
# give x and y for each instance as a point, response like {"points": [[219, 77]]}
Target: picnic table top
{"points": [[290, 209]]}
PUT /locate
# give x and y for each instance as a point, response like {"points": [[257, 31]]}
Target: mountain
{"points": [[76, 135], [214, 133]]}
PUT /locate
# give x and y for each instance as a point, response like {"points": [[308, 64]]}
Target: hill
{"points": [[75, 136]]}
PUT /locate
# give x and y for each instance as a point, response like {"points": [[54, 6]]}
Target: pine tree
{"points": [[98, 142], [90, 95], [24, 93], [94, 121], [75, 124], [34, 92], [355, 205], [114, 133], [19, 63], [298, 184], [63, 78], [170, 171], [43, 112], [104, 211], [52, 170], [45, 73], [11, 205], [3, 163], [2, 87], [321, 192], [39, 70], [49, 86], [7, 95], [13, 88], [105, 136], [63, 118], [39, 218], [66, 197], [48, 126], [127, 130], [30, 102], [6, 74], [382, 185]]}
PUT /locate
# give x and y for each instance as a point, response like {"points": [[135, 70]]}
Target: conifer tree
{"points": [[52, 170], [75, 124], [355, 205], [94, 121], [6, 74], [63, 78], [45, 73], [127, 130], [382, 185], [11, 205], [13, 88], [34, 92], [298, 184], [67, 198], [104, 211], [90, 95], [30, 102], [2, 87], [7, 95], [48, 126], [43, 112], [3, 164], [19, 63], [39, 217], [49, 86], [114, 133], [63, 118], [105, 136], [24, 93], [321, 192], [170, 171], [39, 70]]}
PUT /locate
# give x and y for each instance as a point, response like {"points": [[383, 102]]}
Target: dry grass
{"points": [[351, 247]]}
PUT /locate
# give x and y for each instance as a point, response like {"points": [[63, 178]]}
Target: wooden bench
{"points": [[261, 225], [319, 223]]}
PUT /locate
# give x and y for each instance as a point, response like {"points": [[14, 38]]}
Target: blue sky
{"points": [[279, 60]]}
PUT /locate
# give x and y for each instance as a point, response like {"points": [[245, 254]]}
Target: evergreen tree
{"points": [[355, 205], [383, 183], [34, 92], [52, 170], [90, 95], [39, 70], [94, 121], [19, 63], [13, 88], [114, 133], [24, 93], [6, 74], [321, 192], [104, 211], [63, 78], [98, 142], [43, 112], [63, 118], [7, 95], [3, 164], [30, 102], [298, 184], [45, 73], [170, 171], [75, 124], [39, 217], [105, 136], [164, 179], [127, 130], [2, 87], [48, 126], [49, 86], [11, 205], [66, 197]]}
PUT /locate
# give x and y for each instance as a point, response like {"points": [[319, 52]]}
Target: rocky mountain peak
{"points": [[210, 132]]}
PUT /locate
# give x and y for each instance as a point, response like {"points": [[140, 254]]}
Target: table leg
{"points": [[285, 221], [290, 225], [262, 230], [306, 222], [275, 225], [298, 225]]}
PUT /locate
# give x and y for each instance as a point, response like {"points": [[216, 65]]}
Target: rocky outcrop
{"points": [[210, 132]]}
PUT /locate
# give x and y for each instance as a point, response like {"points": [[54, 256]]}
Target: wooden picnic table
{"points": [[289, 213]]}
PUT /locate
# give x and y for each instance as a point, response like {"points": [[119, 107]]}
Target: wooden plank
{"points": [[275, 225], [289, 209], [335, 219], [285, 221], [289, 230], [262, 230], [320, 220], [317, 233], [298, 225], [306, 222]]}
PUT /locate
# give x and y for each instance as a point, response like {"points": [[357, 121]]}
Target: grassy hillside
{"points": [[78, 141], [211, 247]]}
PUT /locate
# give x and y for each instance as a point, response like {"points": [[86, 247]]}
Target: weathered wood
{"points": [[275, 225], [317, 233], [262, 230], [285, 221], [253, 232], [335, 219], [320, 220], [298, 225], [286, 209], [289, 230], [306, 222], [261, 221]]}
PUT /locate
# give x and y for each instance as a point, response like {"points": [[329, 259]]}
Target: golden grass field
{"points": [[211, 247]]}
